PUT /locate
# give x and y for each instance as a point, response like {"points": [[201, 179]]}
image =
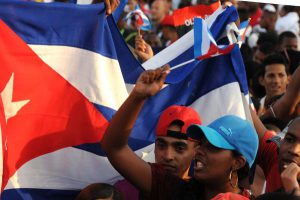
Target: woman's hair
{"points": [[99, 190]]}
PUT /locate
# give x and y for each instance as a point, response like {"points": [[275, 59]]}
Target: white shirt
{"points": [[289, 22]]}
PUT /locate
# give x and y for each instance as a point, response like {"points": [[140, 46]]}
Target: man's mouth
{"points": [[169, 167]]}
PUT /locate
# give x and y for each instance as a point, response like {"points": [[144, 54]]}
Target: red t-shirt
{"points": [[127, 189], [267, 159]]}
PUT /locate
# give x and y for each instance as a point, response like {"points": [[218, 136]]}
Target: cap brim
{"points": [[216, 139]]}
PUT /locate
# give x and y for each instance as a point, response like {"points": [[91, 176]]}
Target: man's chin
{"points": [[277, 92]]}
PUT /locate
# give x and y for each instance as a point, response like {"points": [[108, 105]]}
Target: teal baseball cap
{"points": [[229, 132]]}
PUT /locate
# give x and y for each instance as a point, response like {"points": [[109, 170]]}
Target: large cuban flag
{"points": [[65, 70]]}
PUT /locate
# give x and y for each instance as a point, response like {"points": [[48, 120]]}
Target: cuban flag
{"points": [[64, 72], [215, 86], [205, 44], [243, 28], [139, 19]]}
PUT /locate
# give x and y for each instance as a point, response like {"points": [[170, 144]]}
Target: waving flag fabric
{"points": [[61, 81], [205, 45], [119, 10]]}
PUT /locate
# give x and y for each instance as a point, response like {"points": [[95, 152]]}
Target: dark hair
{"points": [[274, 59], [286, 34], [257, 89], [266, 48], [177, 122], [292, 58], [273, 121], [269, 37], [99, 190]]}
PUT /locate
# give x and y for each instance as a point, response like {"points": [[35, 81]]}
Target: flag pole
{"points": [[181, 64], [139, 31]]}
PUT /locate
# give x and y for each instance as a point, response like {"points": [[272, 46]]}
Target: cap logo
{"points": [[226, 131]]}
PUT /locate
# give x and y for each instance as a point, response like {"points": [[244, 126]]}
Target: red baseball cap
{"points": [[168, 21], [185, 114]]}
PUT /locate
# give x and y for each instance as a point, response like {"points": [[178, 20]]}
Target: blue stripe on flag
{"points": [[135, 144], [40, 194], [244, 24], [71, 31], [198, 25], [226, 18], [130, 67], [119, 10], [106, 111]]}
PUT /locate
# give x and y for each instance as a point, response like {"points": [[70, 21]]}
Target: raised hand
{"points": [[142, 49], [289, 178], [150, 82], [111, 5]]}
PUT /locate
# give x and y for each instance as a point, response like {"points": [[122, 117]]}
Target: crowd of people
{"points": [[230, 158]]}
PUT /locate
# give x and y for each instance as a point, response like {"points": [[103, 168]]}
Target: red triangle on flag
{"points": [[43, 111]]}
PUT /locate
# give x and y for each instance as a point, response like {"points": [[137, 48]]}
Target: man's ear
{"points": [[261, 81]]}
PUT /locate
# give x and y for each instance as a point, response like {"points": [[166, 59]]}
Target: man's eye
{"points": [[180, 148], [289, 139], [160, 145]]}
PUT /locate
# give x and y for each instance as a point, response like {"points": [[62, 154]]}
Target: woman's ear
{"points": [[239, 162]]}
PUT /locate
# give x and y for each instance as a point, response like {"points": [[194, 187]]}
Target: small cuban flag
{"points": [[139, 19], [205, 45], [243, 29]]}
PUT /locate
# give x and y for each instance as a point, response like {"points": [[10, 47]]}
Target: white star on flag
{"points": [[11, 108]]}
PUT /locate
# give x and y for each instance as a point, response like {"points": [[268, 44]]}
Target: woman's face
{"points": [[212, 164]]}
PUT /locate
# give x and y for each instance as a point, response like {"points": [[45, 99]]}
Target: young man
{"points": [[274, 78], [287, 107], [284, 163], [172, 149], [268, 18]]}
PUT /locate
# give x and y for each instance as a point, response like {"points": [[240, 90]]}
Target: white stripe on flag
{"points": [[206, 39], [75, 172], [178, 47], [222, 101], [100, 78]]}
